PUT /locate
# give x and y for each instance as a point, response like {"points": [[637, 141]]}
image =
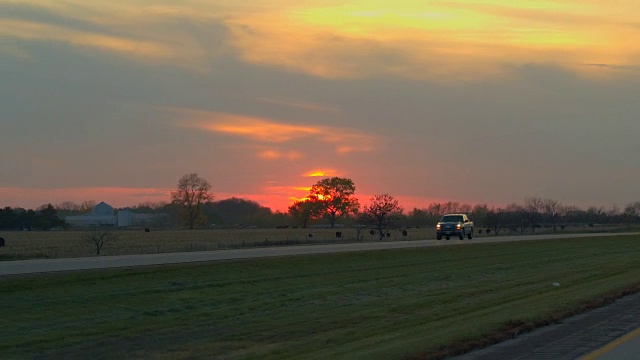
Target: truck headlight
{"points": [[458, 226], [438, 227]]}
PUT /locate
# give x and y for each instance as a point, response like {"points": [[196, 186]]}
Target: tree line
{"points": [[331, 202], [44, 218], [333, 199]]}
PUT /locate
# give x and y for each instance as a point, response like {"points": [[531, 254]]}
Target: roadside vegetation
{"points": [[418, 303]]}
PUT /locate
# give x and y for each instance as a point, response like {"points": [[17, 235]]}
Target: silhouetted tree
{"points": [[381, 213], [552, 209], [192, 193], [334, 198], [303, 211], [98, 237]]}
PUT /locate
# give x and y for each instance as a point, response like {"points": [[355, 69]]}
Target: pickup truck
{"points": [[454, 224]]}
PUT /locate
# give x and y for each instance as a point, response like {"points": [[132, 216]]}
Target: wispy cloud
{"points": [[263, 130], [616, 67], [442, 40], [438, 40], [272, 154]]}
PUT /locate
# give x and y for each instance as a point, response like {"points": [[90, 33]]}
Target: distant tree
{"points": [[8, 219], [533, 207], [496, 219], [98, 237], [552, 209], [479, 214], [517, 218], [87, 205], [417, 217], [382, 211], [192, 193], [149, 207], [303, 211], [236, 211], [632, 211], [334, 198], [47, 218]]}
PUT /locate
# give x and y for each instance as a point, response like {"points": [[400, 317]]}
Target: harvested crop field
{"points": [[62, 244]]}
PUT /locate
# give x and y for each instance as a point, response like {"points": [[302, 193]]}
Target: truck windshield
{"points": [[451, 218]]}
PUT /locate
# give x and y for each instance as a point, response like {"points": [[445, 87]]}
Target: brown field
{"points": [[62, 244]]}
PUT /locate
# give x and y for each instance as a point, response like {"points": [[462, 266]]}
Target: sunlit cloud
{"points": [[125, 29], [272, 131], [270, 154], [321, 173], [443, 40]]}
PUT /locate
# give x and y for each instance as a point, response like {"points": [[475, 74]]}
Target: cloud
{"points": [[150, 34], [321, 173], [439, 40], [264, 130], [356, 39], [270, 154], [616, 67]]}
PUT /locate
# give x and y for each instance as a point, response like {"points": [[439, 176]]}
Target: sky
{"points": [[489, 101]]}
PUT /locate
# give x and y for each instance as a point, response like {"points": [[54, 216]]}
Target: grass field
{"points": [[423, 303], [61, 244]]}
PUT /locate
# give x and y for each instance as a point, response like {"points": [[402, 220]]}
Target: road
{"points": [[104, 262]]}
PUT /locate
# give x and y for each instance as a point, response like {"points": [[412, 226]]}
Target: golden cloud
{"points": [[321, 173], [272, 131], [444, 40]]}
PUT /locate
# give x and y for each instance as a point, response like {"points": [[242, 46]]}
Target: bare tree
{"points": [[552, 209], [533, 206], [496, 219], [381, 212], [191, 195], [632, 210], [98, 237], [87, 205]]}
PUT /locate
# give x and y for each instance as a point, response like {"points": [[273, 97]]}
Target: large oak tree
{"points": [[333, 197]]}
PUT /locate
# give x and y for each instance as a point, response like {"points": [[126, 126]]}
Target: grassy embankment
{"points": [[381, 304]]}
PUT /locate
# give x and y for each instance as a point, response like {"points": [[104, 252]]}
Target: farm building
{"points": [[104, 214]]}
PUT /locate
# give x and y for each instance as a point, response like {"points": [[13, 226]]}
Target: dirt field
{"points": [[59, 244]]}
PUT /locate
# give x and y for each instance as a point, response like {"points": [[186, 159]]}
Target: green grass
{"points": [[382, 304]]}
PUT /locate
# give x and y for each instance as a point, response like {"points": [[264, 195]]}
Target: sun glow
{"points": [[321, 173]]}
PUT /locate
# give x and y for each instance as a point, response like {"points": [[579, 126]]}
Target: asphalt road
{"points": [[104, 262], [605, 333]]}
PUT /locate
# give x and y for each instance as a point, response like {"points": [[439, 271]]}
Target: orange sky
{"points": [[485, 101]]}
